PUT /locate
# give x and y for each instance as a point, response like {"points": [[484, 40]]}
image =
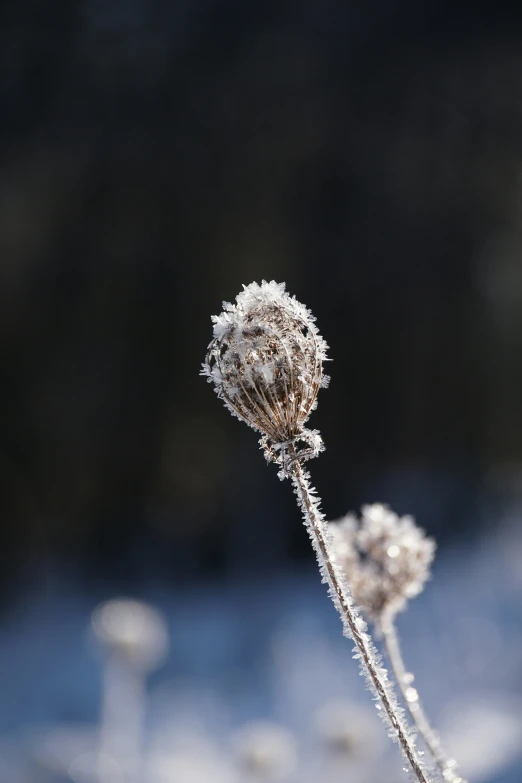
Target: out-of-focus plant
{"points": [[134, 639]]}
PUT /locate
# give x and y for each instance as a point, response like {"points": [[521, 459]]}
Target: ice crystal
{"points": [[386, 558], [266, 363]]}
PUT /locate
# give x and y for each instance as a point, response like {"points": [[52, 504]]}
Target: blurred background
{"points": [[154, 157]]}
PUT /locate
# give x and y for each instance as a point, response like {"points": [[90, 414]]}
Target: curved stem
{"points": [[444, 761], [355, 627]]}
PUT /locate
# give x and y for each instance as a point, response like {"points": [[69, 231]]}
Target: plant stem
{"points": [[445, 763], [355, 628], [122, 720]]}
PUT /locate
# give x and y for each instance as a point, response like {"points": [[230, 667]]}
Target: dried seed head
{"points": [[266, 362], [386, 558]]}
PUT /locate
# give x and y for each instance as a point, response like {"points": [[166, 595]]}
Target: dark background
{"points": [[154, 156]]}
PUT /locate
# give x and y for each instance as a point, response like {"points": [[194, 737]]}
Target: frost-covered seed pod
{"points": [[387, 559], [266, 363]]}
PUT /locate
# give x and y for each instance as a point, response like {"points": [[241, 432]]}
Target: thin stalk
{"points": [[122, 720], [444, 761], [376, 675]]}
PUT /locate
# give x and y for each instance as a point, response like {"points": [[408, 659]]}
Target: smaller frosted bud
{"points": [[386, 558], [266, 751], [132, 630], [266, 364]]}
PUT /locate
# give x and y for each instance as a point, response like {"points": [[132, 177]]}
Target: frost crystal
{"points": [[266, 363], [386, 558]]}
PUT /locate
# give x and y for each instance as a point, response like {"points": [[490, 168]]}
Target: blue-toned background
{"points": [[267, 647]]}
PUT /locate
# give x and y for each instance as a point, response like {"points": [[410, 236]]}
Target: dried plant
{"points": [[387, 561], [266, 363], [134, 639]]}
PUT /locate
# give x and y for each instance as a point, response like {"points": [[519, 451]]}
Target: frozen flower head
{"points": [[266, 362], [132, 630], [386, 558], [266, 751]]}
